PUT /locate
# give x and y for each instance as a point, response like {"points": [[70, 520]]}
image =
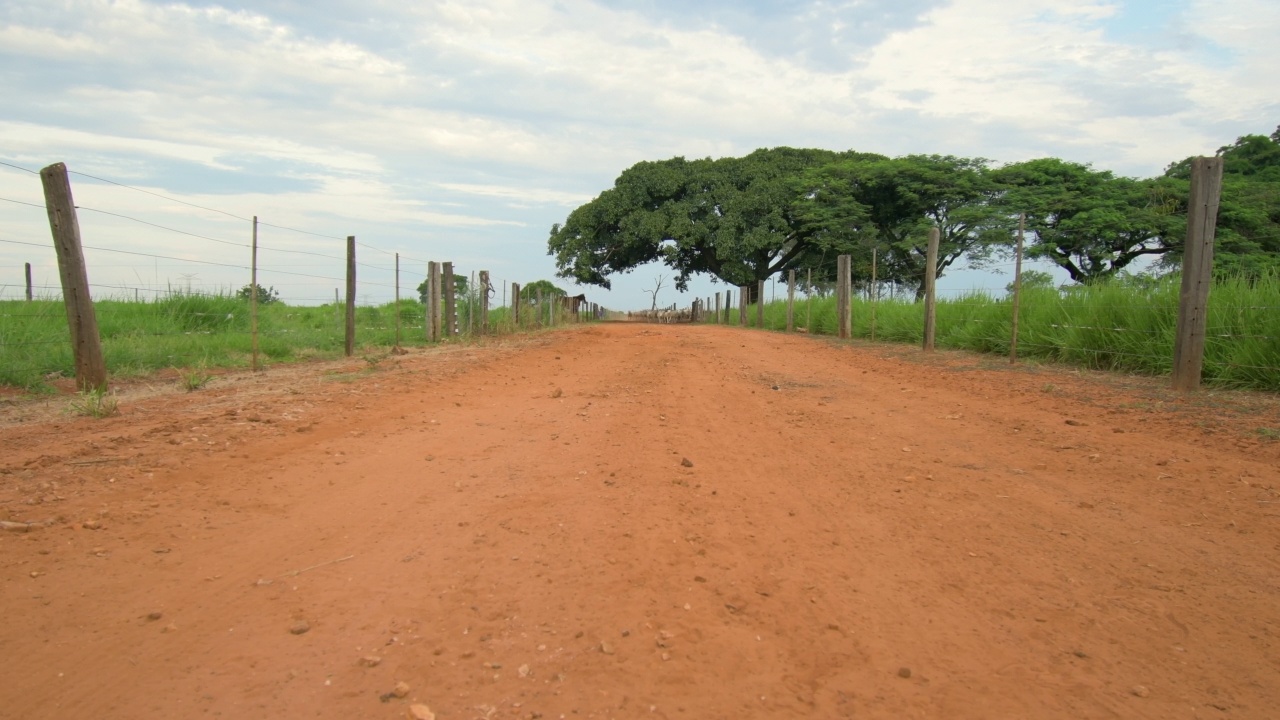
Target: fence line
{"points": [[182, 318]]}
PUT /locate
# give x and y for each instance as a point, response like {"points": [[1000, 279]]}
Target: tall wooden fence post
{"points": [[431, 320], [717, 308], [29, 297], [930, 292], [742, 305], [1197, 272], [791, 300], [875, 294], [808, 302], [351, 295], [515, 303], [397, 299], [844, 295], [86, 346], [760, 304], [450, 301], [1017, 290], [253, 296], [484, 302]]}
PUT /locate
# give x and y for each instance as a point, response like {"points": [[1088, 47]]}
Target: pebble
{"points": [[904, 672], [1140, 691], [156, 615], [686, 462], [169, 628], [91, 525], [370, 661], [401, 689], [557, 393], [606, 647], [523, 670], [299, 627], [420, 712]]}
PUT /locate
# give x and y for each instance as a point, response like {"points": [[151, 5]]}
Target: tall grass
{"points": [[1122, 326], [190, 330]]}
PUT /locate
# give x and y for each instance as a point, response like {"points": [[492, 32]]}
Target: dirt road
{"points": [[625, 521]]}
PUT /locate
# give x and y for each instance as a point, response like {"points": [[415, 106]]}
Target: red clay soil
{"points": [[628, 520]]}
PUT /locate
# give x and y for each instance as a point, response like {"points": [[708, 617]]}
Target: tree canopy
{"points": [[746, 219]]}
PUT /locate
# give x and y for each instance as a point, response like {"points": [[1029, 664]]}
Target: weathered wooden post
{"points": [[433, 301], [791, 300], [844, 292], [875, 294], [742, 305], [515, 304], [760, 304], [930, 293], [351, 296], [484, 302], [450, 301], [253, 297], [1197, 272], [1017, 290], [28, 267], [86, 346], [717, 308], [397, 299]]}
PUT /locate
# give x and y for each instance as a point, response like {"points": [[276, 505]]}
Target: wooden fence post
{"points": [[86, 346], [541, 307], [717, 308], [1017, 290], [1197, 272], [397, 299], [875, 294], [450, 301], [433, 301], [791, 300], [351, 295], [844, 295], [29, 297], [930, 292], [742, 306], [760, 304], [515, 303], [253, 296], [484, 302], [808, 303]]}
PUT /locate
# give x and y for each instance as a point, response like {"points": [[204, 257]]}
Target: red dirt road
{"points": [[863, 532]]}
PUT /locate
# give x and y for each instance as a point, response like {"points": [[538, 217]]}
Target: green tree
{"points": [[1247, 240], [891, 204], [266, 296], [733, 218], [529, 293], [1090, 222], [459, 288], [1033, 280]]}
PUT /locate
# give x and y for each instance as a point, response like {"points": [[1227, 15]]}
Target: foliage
{"points": [[266, 296], [1125, 324], [1032, 280], [529, 293], [194, 378], [95, 403], [459, 288]]}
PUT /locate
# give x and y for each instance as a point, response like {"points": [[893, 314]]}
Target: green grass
{"points": [[190, 330], [1112, 326]]}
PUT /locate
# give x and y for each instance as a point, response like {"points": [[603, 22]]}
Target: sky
{"points": [[461, 131]]}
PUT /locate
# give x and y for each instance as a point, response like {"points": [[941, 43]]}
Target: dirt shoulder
{"points": [[624, 519]]}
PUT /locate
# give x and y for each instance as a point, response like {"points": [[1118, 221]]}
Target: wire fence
{"points": [[1112, 326], [188, 304]]}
